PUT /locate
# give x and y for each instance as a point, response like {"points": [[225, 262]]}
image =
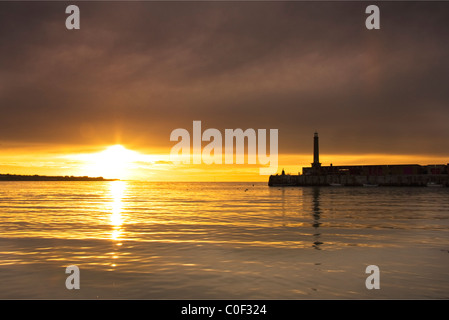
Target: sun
{"points": [[115, 162]]}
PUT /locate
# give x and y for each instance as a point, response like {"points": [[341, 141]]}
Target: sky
{"points": [[136, 71]]}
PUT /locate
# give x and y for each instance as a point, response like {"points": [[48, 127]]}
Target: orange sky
{"points": [[156, 165], [138, 70]]}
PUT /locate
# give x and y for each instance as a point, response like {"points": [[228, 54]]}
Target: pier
{"points": [[420, 180], [407, 175]]}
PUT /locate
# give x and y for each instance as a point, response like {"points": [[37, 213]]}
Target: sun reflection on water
{"points": [[117, 191]]}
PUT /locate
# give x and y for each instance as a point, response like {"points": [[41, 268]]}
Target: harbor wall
{"points": [[359, 180]]}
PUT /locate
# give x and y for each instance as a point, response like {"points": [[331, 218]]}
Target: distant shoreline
{"points": [[19, 177]]}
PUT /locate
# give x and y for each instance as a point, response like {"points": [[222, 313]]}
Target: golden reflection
{"points": [[115, 235], [316, 211], [117, 190]]}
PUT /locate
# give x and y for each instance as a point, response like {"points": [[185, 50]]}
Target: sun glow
{"points": [[118, 162], [114, 162]]}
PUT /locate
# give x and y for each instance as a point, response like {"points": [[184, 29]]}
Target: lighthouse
{"points": [[316, 154]]}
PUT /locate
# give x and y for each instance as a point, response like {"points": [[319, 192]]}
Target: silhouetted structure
{"points": [[358, 175], [316, 165]]}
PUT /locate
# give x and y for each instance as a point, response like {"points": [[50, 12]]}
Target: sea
{"points": [[163, 240]]}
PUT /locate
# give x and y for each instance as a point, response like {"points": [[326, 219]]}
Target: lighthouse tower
{"points": [[316, 165]]}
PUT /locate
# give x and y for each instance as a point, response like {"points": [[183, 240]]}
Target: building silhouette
{"points": [[358, 175]]}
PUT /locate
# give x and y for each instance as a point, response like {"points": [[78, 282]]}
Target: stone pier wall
{"points": [[358, 180]]}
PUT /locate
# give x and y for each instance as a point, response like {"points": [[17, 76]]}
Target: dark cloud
{"points": [[136, 71]]}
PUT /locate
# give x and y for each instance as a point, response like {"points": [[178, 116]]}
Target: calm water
{"points": [[221, 241]]}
